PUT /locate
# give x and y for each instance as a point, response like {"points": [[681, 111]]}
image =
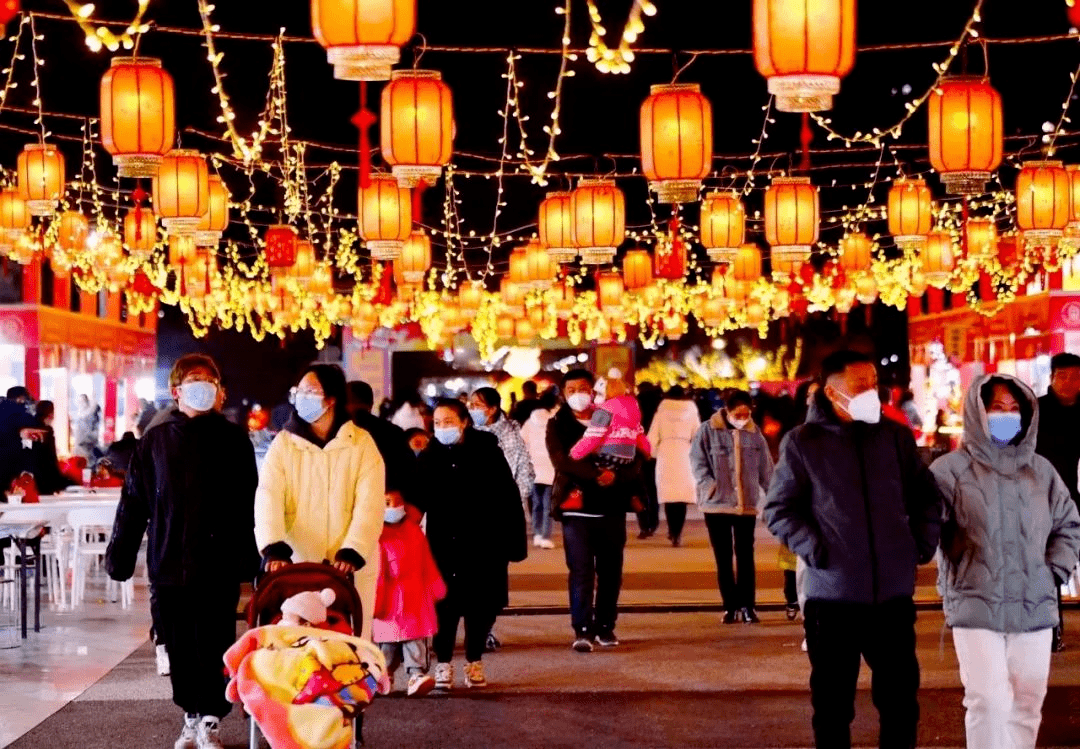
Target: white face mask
{"points": [[740, 423], [198, 396], [864, 407], [579, 401]]}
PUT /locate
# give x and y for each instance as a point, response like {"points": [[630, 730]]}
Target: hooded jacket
{"points": [[731, 466], [857, 503], [670, 434], [409, 583], [1059, 439], [1012, 532], [534, 433]]}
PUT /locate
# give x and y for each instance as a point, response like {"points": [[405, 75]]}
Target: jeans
{"points": [[594, 556], [478, 622], [413, 652], [838, 635], [1004, 678], [791, 590], [541, 510], [737, 592], [675, 514]]}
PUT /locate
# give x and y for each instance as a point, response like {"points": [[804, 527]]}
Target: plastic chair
{"points": [[87, 523]]}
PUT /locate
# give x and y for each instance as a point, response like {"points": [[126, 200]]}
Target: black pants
{"points": [[155, 615], [741, 591], [650, 518], [594, 556], [837, 635], [675, 514], [197, 624], [478, 622], [791, 590]]}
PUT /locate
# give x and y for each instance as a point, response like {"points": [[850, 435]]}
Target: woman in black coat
{"points": [[476, 527], [43, 461]]}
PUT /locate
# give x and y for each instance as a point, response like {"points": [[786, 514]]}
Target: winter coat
{"points": [[1012, 531], [732, 467], [409, 583], [857, 503], [517, 454], [190, 487], [534, 433], [563, 432], [475, 521], [13, 418], [323, 503], [1059, 439], [672, 430], [398, 458], [44, 464], [614, 431]]}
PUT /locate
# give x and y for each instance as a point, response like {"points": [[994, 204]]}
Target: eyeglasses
{"points": [[199, 378], [295, 392]]}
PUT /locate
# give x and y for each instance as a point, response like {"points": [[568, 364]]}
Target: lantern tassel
{"points": [[806, 137], [363, 120], [417, 202], [138, 196]]}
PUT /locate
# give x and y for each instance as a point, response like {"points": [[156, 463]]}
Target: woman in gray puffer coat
{"points": [[1011, 536]]}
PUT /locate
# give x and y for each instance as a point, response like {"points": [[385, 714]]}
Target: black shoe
{"points": [[607, 640], [792, 612], [1058, 643], [492, 645], [731, 617], [750, 616], [676, 541], [582, 644], [645, 534]]}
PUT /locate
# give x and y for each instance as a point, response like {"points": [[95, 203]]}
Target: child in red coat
{"points": [[409, 586]]}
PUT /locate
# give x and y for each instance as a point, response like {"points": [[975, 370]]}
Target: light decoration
{"points": [[617, 60], [610, 289], [599, 212], [1042, 202], [555, 224], [513, 296], [215, 221], [792, 216], [723, 226], [14, 216], [303, 267], [138, 115], [385, 216], [101, 37], [363, 38], [140, 232], [937, 259], [524, 332], [676, 141], [415, 259], [417, 126], [804, 48], [181, 191], [518, 272], [981, 238], [73, 230], [1072, 231], [966, 133], [542, 270], [637, 269], [470, 297], [911, 213], [41, 177]]}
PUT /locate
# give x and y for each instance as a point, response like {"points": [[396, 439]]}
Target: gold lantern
{"points": [[540, 267], [138, 115], [637, 269], [845, 298], [304, 267], [937, 259], [524, 331], [866, 290], [41, 177], [747, 265], [417, 126], [610, 289], [564, 299], [519, 268], [911, 213], [723, 226], [73, 231], [1042, 202], [755, 314], [513, 296], [792, 214], [556, 224], [715, 311], [14, 216], [182, 191], [363, 38], [415, 257], [140, 232], [321, 282], [856, 253], [215, 221], [504, 327], [981, 237], [182, 251], [385, 211], [966, 132], [470, 297], [599, 212], [676, 141], [804, 48]]}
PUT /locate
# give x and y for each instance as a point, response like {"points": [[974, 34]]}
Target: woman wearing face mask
{"points": [[322, 487], [476, 527], [732, 467], [670, 434], [1011, 537], [488, 417]]}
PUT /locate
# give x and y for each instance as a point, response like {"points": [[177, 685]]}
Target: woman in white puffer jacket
{"points": [[534, 432]]}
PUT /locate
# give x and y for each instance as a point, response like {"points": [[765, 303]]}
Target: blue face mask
{"points": [[448, 436], [198, 396], [1003, 426], [478, 417], [309, 407], [394, 515]]}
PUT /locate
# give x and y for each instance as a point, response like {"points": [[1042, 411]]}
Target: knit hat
{"points": [[309, 606]]}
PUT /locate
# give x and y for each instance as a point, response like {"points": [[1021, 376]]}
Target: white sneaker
{"points": [[188, 736], [804, 645], [474, 675], [546, 543], [162, 660], [207, 735], [419, 685], [536, 540], [444, 676]]}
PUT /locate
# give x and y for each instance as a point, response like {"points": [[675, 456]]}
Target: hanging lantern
{"points": [[281, 247], [524, 332], [365, 319], [669, 257], [182, 250], [41, 177], [14, 216], [138, 115], [363, 38], [966, 133], [417, 126], [215, 221], [182, 191], [541, 269], [1042, 202], [519, 268], [599, 212], [140, 232], [637, 269], [856, 253], [385, 211], [73, 231], [513, 296], [564, 299], [504, 327], [747, 265], [723, 226], [911, 210], [937, 259], [866, 290], [981, 236], [321, 282], [676, 141], [415, 257], [715, 311], [470, 297], [1073, 229], [610, 290], [792, 213], [304, 267], [804, 48], [556, 223], [918, 283], [755, 314]]}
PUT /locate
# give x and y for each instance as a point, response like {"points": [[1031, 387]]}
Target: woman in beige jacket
{"points": [[321, 489]]}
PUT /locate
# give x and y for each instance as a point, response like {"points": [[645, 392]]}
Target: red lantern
{"points": [[1074, 12], [281, 244], [8, 10], [670, 258]]}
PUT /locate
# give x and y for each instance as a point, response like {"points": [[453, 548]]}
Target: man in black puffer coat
{"points": [[851, 496]]}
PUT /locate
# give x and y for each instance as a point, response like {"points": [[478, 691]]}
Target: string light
{"points": [[100, 36], [617, 60]]}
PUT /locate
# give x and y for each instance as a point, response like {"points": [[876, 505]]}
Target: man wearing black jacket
{"points": [[389, 438], [191, 487], [851, 496]]}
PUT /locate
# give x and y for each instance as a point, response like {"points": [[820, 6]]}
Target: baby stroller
{"points": [[345, 613]]}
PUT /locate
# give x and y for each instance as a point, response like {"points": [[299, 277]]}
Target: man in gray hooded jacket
{"points": [[851, 496]]}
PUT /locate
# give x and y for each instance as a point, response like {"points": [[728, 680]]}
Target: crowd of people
{"points": [[427, 505]]}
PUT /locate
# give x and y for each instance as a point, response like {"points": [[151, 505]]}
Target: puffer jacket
{"points": [[534, 432], [731, 466], [1012, 532], [517, 454], [670, 434], [857, 503]]}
